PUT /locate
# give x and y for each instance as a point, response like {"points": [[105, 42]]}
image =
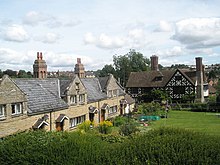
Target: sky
{"points": [[176, 31]]}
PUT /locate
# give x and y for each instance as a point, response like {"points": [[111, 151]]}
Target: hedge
{"points": [[160, 146]]}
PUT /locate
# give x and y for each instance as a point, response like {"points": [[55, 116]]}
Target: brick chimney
{"points": [[79, 69], [154, 63], [199, 78], [40, 67]]}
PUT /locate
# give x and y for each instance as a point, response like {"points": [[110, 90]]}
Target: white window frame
{"points": [[115, 93], [77, 120], [2, 111], [73, 99], [82, 98], [112, 109], [17, 108]]}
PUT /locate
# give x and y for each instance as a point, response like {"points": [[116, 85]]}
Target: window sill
{"points": [[2, 118], [16, 115]]}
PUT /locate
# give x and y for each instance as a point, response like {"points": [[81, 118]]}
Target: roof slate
{"points": [[42, 94], [93, 87]]}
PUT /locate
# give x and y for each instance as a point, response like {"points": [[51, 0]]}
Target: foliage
{"points": [[106, 70], [14, 74], [105, 127], [155, 95], [151, 109], [119, 120], [212, 75], [159, 146], [85, 126], [131, 62], [128, 128], [24, 74], [11, 73]]}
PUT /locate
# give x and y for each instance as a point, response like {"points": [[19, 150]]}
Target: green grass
{"points": [[207, 123]]}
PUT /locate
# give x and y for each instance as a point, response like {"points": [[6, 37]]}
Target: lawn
{"points": [[207, 123]]}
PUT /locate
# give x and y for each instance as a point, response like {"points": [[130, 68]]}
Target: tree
{"points": [[106, 70], [10, 73], [212, 75], [24, 74], [130, 62]]}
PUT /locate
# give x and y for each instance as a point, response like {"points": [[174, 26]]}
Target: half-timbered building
{"points": [[177, 83]]}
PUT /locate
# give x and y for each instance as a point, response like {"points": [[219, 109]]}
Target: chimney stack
{"points": [[154, 63], [199, 78]]}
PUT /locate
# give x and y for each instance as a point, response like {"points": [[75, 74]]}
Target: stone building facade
{"points": [[54, 104]]}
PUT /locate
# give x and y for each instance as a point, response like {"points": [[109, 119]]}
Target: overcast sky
{"points": [[175, 30]]}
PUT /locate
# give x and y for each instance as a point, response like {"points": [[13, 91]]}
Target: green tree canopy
{"points": [[106, 70], [130, 62]]}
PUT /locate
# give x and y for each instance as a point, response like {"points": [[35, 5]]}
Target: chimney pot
{"points": [[38, 55], [78, 60], [41, 56]]}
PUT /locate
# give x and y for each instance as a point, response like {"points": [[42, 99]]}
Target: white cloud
{"points": [[173, 52], [164, 26], [136, 34], [15, 33], [50, 38], [198, 32], [34, 18], [104, 41]]}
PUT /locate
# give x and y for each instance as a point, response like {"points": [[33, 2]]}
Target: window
{"points": [[77, 120], [110, 93], [115, 92], [2, 111], [73, 99], [82, 98], [16, 108], [112, 109]]}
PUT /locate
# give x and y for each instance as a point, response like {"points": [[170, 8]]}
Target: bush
{"points": [[105, 127], [128, 128], [119, 120], [160, 146], [85, 126]]}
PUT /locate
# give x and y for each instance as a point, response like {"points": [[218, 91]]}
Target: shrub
{"points": [[128, 128], [105, 127], [119, 120], [85, 126]]}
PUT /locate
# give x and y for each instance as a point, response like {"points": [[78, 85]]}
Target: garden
{"points": [[176, 137]]}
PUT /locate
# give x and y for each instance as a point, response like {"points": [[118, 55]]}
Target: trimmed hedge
{"points": [[161, 146]]}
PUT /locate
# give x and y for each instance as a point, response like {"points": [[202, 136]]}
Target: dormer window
{"points": [[158, 78], [16, 108]]}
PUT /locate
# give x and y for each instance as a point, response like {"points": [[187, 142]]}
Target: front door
{"points": [[59, 126], [102, 115]]}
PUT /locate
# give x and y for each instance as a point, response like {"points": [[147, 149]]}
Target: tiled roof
{"points": [[103, 82], [42, 94], [93, 87], [63, 86], [148, 78], [152, 78]]}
